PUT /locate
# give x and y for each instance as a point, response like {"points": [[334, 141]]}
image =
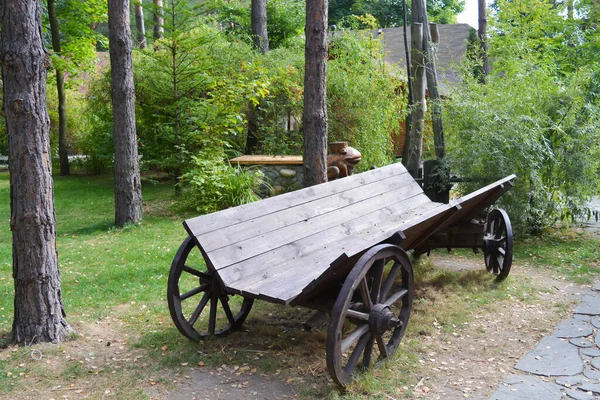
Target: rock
{"points": [[592, 373], [590, 387], [581, 317], [552, 357], [519, 387], [596, 363], [287, 173], [590, 352], [596, 322], [590, 305], [569, 380], [277, 189], [581, 342], [596, 287], [579, 395], [573, 328]]}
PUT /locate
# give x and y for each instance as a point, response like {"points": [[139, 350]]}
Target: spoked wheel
{"points": [[198, 303], [373, 307], [498, 244]]}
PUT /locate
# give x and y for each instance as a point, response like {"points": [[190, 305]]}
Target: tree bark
{"points": [[128, 190], [158, 19], [434, 94], [38, 309], [259, 25], [63, 154], [414, 145], [314, 117], [482, 34], [139, 24]]}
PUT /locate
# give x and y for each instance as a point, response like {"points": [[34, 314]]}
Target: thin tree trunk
{"points": [[128, 190], [259, 25], [158, 19], [139, 24], [38, 308], [482, 34], [434, 94], [414, 147], [314, 117], [408, 77], [63, 154]]}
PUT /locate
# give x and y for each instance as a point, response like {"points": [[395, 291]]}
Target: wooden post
{"points": [[434, 94], [414, 145]]}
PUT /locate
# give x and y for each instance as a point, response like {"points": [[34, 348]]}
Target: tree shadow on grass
{"points": [[97, 227]]}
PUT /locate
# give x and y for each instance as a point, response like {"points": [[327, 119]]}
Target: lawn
{"points": [[118, 278]]}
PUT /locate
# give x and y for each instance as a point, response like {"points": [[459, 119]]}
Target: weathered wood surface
{"points": [[288, 245]]}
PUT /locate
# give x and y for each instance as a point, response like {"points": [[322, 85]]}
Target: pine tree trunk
{"points": [[315, 94], [482, 34], [128, 190], [139, 24], [158, 19], [38, 312], [434, 94], [259, 25], [63, 154], [414, 145]]}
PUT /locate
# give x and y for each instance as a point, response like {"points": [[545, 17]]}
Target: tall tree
{"points": [[38, 313], [128, 189], [139, 24], [482, 34], [60, 88], [314, 118], [158, 13], [259, 25]]}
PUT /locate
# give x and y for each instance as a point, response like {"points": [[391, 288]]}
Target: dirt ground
{"points": [[470, 364]]}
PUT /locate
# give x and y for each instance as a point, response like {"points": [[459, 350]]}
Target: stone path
{"points": [[565, 364]]}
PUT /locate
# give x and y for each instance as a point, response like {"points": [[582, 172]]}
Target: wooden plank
{"points": [[305, 227], [308, 258], [266, 160], [303, 213], [231, 216], [285, 287]]}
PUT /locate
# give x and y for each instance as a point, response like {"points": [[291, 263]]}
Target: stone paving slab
{"points": [[573, 328], [579, 395], [552, 357], [590, 305], [523, 387]]}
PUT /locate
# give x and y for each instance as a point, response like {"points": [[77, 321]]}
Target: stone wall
{"points": [[283, 173]]}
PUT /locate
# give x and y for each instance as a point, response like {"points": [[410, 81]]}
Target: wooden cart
{"points": [[338, 247]]}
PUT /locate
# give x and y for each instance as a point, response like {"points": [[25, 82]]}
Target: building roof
{"points": [[451, 50]]}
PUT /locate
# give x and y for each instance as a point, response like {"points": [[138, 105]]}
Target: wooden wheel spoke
{"points": [[195, 272], [199, 309], [395, 297], [227, 309], [364, 294], [212, 319], [502, 251], [499, 228], [368, 352], [389, 281], [383, 350], [190, 293], [355, 356], [377, 280], [353, 337], [357, 315], [500, 260]]}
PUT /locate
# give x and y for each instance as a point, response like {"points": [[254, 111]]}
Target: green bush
{"points": [[211, 184]]}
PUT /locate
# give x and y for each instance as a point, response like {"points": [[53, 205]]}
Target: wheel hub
{"points": [[382, 319]]}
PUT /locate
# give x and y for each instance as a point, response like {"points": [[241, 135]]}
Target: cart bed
{"points": [[280, 247]]}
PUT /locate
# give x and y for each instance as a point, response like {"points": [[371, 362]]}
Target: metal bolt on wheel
{"points": [[198, 303], [373, 307]]}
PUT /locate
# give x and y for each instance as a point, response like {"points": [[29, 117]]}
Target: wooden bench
{"points": [[325, 247]]}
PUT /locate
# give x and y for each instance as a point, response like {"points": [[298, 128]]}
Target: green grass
{"points": [[123, 274]]}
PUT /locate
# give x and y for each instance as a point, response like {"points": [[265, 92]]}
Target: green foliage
{"points": [[285, 20], [536, 116], [364, 101], [390, 13], [212, 184]]}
